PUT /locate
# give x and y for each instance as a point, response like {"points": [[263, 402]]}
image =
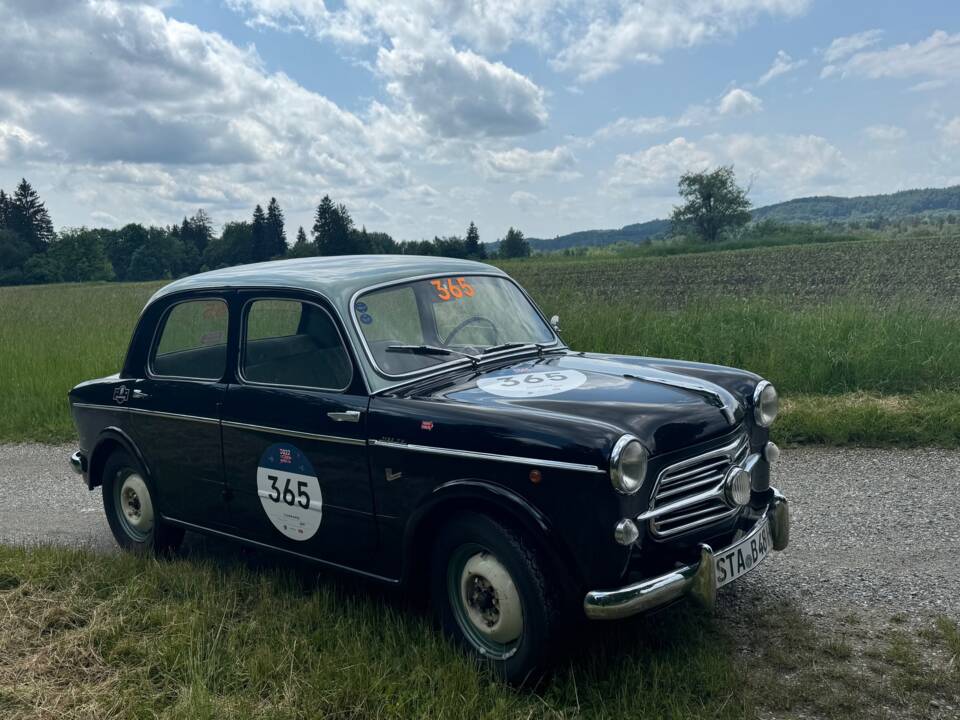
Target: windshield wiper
{"points": [[430, 350], [511, 345]]}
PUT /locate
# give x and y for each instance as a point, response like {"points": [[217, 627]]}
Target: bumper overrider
{"points": [[698, 580]]}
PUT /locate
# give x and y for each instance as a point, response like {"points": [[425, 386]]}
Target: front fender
{"points": [[106, 442], [484, 496]]}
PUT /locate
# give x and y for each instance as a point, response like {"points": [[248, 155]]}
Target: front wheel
{"points": [[131, 510], [492, 594]]}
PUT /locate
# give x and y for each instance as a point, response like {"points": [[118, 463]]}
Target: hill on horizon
{"points": [[817, 209]]}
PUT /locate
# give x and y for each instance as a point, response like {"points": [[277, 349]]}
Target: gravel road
{"points": [[872, 530]]}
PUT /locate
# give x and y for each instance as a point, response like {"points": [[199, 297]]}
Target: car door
{"points": [[294, 433], [175, 408]]}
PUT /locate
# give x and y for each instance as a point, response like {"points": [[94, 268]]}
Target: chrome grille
{"points": [[680, 484]]}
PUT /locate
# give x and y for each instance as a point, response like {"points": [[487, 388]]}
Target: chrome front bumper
{"points": [[78, 462], [698, 580]]}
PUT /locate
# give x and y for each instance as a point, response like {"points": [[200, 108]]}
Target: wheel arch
{"points": [[110, 440], [484, 497]]}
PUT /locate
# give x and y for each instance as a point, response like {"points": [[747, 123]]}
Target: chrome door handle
{"points": [[140, 394], [345, 416]]}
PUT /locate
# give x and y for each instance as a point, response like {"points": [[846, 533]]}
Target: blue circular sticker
{"points": [[361, 307], [366, 319], [290, 491]]}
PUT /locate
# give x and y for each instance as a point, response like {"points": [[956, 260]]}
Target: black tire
{"points": [[157, 537], [524, 660]]}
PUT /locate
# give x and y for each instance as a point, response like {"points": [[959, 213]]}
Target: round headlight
{"points": [[628, 465], [766, 404]]}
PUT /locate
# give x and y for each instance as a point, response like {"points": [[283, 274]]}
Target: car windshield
{"points": [[415, 325]]}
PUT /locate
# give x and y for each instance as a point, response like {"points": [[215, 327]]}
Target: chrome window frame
{"points": [[427, 371], [242, 346], [158, 335]]}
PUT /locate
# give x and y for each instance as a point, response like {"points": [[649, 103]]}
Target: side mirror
{"points": [[555, 323]]}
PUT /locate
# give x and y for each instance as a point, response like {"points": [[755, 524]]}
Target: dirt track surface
{"points": [[873, 531]]}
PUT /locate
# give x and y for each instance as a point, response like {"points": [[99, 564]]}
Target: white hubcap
{"points": [[491, 599], [135, 503]]}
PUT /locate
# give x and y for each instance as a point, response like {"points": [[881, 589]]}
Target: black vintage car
{"points": [[418, 420]]}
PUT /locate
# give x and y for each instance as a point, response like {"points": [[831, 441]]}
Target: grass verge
{"points": [[84, 635]]}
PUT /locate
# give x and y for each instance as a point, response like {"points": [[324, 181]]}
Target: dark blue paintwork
{"points": [[381, 503]]}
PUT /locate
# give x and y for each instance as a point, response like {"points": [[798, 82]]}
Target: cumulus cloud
{"points": [[739, 102], [795, 164], [524, 200], [936, 58], [951, 132], [461, 94], [520, 164], [782, 64], [884, 133]]}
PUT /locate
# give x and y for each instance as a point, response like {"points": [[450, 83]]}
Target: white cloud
{"points": [[520, 164], [782, 64], [524, 200], [936, 58], [461, 94], [736, 102], [951, 132], [884, 133], [841, 47], [739, 102], [631, 32], [787, 164]]}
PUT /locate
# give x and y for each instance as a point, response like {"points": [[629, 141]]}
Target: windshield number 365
{"points": [[287, 495], [453, 288]]}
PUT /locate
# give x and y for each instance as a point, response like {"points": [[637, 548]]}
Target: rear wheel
{"points": [[492, 594], [131, 511]]}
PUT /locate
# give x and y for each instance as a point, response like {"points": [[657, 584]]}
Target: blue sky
{"points": [[421, 115]]}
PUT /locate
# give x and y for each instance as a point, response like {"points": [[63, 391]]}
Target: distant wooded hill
{"points": [[817, 210]]}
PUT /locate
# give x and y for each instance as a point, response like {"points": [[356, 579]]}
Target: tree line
{"points": [[31, 252]]}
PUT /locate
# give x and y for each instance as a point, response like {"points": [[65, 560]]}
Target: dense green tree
{"points": [[120, 245], [514, 245], [14, 252], [258, 229], [333, 229], [160, 257], [302, 247], [473, 246], [276, 235], [79, 255], [713, 204], [4, 209], [27, 216], [381, 243], [233, 247], [453, 246], [197, 230]]}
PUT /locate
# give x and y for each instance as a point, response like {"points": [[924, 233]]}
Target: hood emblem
{"points": [[722, 400]]}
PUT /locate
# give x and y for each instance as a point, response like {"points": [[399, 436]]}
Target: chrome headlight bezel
{"points": [[624, 481], [766, 404]]}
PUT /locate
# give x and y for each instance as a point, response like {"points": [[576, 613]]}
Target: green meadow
{"points": [[862, 338]]}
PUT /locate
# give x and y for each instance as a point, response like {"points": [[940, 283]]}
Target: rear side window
{"points": [[193, 341], [293, 343]]}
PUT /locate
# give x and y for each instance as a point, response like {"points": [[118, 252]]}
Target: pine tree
{"points": [[276, 235], [28, 217], [4, 209], [333, 229], [260, 250], [302, 247], [472, 244]]}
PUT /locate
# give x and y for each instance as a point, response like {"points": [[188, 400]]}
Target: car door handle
{"points": [[345, 416], [140, 394]]}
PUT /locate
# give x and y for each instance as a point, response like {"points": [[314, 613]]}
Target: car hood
{"points": [[666, 404]]}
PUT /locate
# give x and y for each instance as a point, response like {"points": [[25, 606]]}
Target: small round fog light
{"points": [[771, 453], [626, 532], [737, 487]]}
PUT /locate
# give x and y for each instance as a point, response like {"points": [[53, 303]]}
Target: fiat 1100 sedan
{"points": [[419, 421]]}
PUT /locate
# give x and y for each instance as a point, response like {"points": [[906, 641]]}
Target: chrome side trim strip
{"points": [[141, 411], [294, 433], [470, 454], [247, 541]]}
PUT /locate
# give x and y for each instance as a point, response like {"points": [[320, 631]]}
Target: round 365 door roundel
{"points": [[289, 491]]}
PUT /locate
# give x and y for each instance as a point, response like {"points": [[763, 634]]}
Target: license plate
{"points": [[739, 559]]}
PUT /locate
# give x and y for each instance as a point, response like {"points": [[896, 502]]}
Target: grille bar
{"points": [[689, 494]]}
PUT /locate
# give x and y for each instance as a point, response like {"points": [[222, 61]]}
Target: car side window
{"points": [[193, 341], [293, 343]]}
